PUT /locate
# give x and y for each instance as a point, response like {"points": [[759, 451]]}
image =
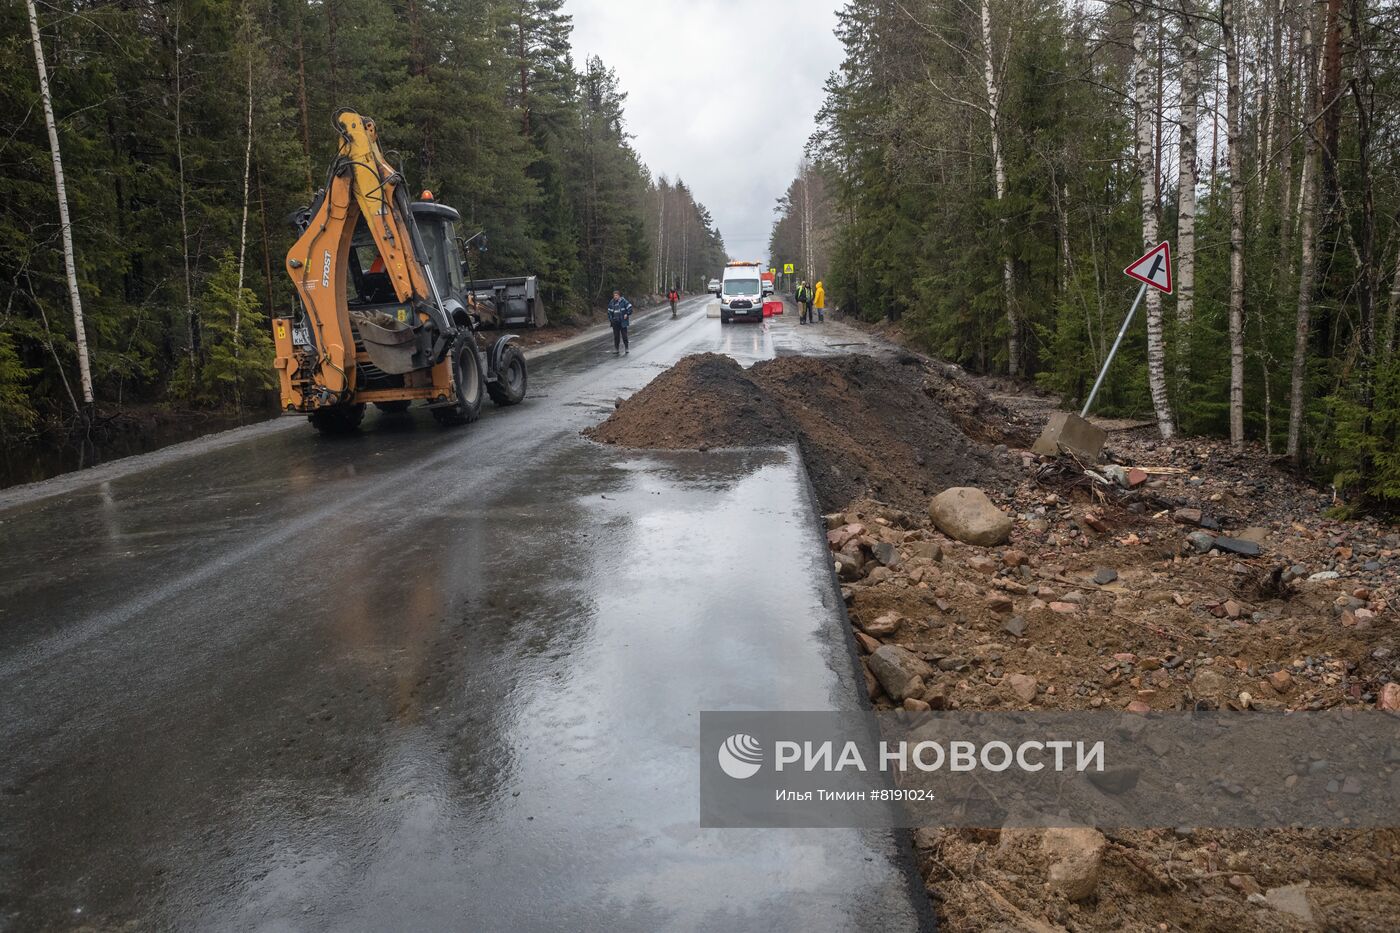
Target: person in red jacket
{"points": [[673, 296]]}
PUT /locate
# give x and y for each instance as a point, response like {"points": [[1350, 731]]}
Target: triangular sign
{"points": [[1155, 268]]}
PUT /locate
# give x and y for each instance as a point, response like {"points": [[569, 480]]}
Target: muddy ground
{"points": [[1099, 598]]}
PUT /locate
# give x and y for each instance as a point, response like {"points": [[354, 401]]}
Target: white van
{"points": [[741, 293]]}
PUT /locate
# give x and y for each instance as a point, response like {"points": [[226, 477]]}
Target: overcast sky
{"points": [[713, 100]]}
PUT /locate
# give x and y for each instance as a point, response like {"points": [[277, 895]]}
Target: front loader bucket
{"points": [[509, 303]]}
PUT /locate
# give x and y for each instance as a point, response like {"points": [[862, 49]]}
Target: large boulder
{"points": [[1075, 854], [968, 515], [900, 672]]}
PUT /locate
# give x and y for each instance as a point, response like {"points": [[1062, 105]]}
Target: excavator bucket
{"points": [[390, 343]]}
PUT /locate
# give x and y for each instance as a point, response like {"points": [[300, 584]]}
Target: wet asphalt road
{"points": [[423, 679]]}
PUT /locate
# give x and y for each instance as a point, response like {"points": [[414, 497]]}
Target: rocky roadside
{"points": [[1177, 575], [1182, 576]]}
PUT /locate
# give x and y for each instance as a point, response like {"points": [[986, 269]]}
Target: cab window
{"points": [[439, 237], [369, 281]]}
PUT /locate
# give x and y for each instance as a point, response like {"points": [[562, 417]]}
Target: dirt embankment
{"points": [[1098, 600], [887, 429]]}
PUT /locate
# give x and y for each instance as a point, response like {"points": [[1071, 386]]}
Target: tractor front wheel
{"points": [[466, 374], [511, 378]]}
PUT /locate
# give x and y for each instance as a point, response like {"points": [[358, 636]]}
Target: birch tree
{"points": [[1307, 255], [1008, 269], [70, 265], [191, 318], [1233, 143], [1143, 85], [247, 177], [1186, 173]]}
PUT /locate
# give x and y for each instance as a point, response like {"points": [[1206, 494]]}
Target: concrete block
{"points": [[1069, 431]]}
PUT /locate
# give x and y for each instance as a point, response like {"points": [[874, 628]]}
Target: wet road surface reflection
{"points": [[422, 679]]}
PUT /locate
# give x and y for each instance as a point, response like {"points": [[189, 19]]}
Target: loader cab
{"points": [[437, 226], [370, 284]]}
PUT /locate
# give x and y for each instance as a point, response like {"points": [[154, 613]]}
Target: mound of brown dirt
{"points": [[865, 426]]}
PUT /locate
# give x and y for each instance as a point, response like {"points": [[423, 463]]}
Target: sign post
{"points": [[1153, 270]]}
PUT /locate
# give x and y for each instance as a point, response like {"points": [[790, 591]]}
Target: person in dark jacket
{"points": [[803, 296], [620, 317]]}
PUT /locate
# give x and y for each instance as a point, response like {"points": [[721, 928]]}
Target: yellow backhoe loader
{"points": [[388, 314]]}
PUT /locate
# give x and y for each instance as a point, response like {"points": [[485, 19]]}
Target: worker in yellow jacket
{"points": [[819, 303]]}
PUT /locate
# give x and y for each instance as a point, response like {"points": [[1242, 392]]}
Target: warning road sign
{"points": [[1155, 268], [787, 268]]}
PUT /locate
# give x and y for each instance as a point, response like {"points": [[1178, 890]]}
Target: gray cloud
{"points": [[721, 93]]}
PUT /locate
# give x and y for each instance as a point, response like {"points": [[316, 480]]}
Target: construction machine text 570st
{"points": [[389, 314]]}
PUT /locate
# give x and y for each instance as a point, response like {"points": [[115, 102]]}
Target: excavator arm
{"points": [[362, 184]]}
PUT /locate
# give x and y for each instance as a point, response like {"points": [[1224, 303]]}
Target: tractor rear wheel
{"points": [[338, 419], [512, 379], [466, 374]]}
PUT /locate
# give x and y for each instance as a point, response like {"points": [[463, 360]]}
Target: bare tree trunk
{"points": [[243, 225], [1214, 124], [1307, 256], [1062, 216], [1268, 394], [70, 265], [190, 324], [523, 49], [1008, 268], [1392, 312], [1233, 130], [1285, 154], [1143, 85], [1186, 175], [1331, 111], [1159, 117], [660, 232], [809, 252], [809, 228], [1367, 275]]}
